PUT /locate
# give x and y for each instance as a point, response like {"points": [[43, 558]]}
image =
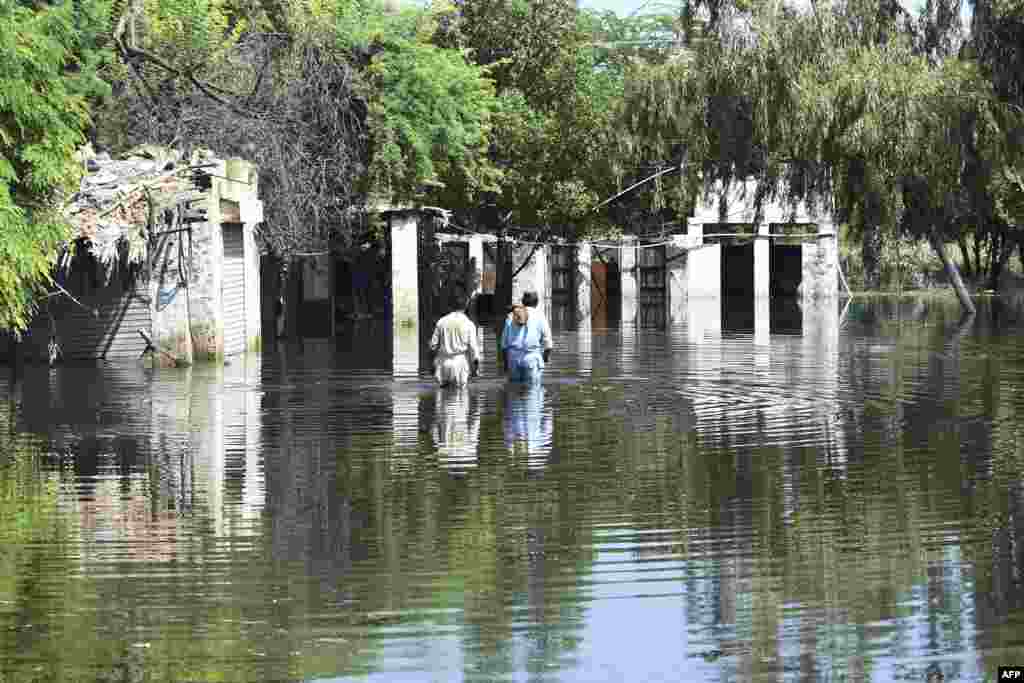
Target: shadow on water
{"points": [[837, 496]]}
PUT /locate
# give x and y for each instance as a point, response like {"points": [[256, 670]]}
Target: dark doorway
{"points": [[738, 269], [785, 316], [738, 287], [786, 268]]}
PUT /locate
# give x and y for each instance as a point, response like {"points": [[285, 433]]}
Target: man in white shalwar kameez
{"points": [[456, 347]]}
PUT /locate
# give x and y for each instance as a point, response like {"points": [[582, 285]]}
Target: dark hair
{"points": [[459, 300], [530, 299]]}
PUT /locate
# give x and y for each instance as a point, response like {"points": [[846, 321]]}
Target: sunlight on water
{"points": [[779, 493]]}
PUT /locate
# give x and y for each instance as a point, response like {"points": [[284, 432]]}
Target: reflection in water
{"points": [[845, 502], [456, 429], [529, 424]]}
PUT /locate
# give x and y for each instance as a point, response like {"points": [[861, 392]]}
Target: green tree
{"points": [[868, 121], [49, 59]]}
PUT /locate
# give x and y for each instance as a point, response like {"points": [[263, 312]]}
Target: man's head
{"points": [[459, 301], [530, 299]]}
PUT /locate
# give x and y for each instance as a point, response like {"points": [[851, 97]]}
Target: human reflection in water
{"points": [[529, 424], [456, 429]]}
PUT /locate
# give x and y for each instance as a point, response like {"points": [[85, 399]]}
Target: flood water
{"points": [[835, 496]]}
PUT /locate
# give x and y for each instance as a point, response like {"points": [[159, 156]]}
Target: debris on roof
{"points": [[113, 205]]}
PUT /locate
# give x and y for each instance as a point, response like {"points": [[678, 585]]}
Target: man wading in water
{"points": [[455, 346], [526, 341]]}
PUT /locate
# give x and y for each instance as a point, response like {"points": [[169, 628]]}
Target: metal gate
{"points": [[233, 290], [563, 285], [652, 297]]}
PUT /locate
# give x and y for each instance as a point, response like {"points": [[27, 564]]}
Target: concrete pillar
{"points": [[405, 349], [405, 293], [628, 272], [584, 257], [542, 281], [476, 258], [253, 288], [404, 269], [762, 257], [627, 348], [206, 277], [676, 255]]}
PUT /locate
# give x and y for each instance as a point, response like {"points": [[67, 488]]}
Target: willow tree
{"points": [[833, 106]]}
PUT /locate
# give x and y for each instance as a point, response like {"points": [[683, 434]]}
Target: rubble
{"points": [[111, 210]]}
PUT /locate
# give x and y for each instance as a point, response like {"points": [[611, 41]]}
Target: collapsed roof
{"points": [[112, 209]]}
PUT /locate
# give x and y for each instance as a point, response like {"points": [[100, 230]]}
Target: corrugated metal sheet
{"points": [[112, 334], [233, 293]]}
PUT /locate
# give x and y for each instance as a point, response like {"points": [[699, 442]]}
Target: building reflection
{"points": [[529, 424]]}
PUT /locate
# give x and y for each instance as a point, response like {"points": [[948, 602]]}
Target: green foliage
{"points": [[430, 114], [48, 63], [192, 34]]}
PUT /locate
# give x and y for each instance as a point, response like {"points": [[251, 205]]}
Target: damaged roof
{"points": [[115, 196]]}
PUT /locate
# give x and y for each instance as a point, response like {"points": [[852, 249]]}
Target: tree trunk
{"points": [[977, 252], [999, 262], [966, 254], [952, 272]]}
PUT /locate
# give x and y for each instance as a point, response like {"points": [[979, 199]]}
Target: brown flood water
{"points": [[838, 497]]}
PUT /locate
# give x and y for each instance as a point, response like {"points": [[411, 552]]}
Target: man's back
{"points": [[455, 333], [535, 335]]}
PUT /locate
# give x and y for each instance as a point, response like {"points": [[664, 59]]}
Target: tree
{"points": [[49, 58], [831, 105], [351, 102]]}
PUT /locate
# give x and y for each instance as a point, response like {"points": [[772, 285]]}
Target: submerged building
{"points": [[163, 262]]}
